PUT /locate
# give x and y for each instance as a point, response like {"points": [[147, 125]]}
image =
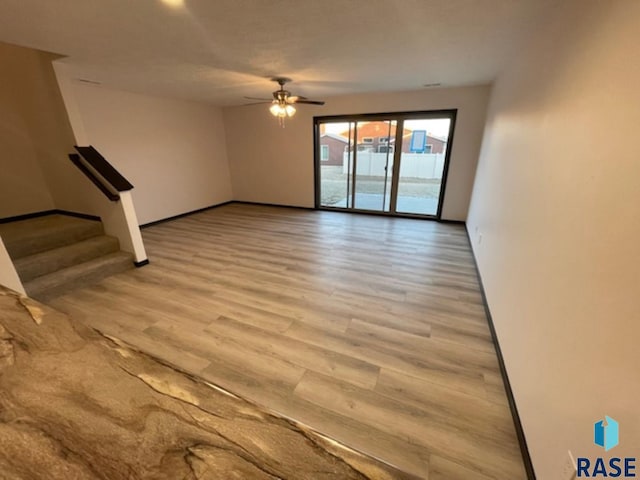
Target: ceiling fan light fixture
{"points": [[276, 110], [290, 109], [174, 3], [282, 105], [281, 109]]}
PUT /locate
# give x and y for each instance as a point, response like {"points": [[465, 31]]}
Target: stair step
{"points": [[57, 283], [28, 237], [56, 259]]}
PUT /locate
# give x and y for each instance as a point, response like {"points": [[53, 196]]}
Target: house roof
{"points": [[375, 129], [335, 136]]}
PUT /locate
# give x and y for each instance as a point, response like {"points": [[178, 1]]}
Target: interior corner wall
{"points": [[555, 227], [36, 139], [172, 151], [23, 188], [270, 164]]}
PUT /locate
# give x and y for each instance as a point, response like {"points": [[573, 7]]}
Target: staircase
{"points": [[57, 253]]}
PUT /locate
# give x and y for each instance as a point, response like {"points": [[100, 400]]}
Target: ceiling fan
{"points": [[282, 104]]}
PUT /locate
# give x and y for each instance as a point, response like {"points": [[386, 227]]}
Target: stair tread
{"points": [[75, 276], [49, 261], [28, 237]]}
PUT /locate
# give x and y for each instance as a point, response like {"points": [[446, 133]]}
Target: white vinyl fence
{"points": [[414, 165]]}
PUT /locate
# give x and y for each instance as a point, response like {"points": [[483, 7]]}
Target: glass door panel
{"points": [[335, 156], [424, 148], [374, 142]]}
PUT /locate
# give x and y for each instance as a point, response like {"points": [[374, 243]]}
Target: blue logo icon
{"points": [[606, 434]]}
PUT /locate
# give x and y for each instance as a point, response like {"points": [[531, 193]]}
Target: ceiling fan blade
{"points": [[311, 102], [295, 98], [283, 97], [256, 103]]}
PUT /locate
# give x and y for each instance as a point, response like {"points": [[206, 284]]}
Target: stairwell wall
{"points": [[36, 138], [172, 151], [23, 187]]}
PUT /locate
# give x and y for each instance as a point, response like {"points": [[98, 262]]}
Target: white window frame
{"points": [[324, 153]]}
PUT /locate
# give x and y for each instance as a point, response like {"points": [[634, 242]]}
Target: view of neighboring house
{"points": [[332, 148], [377, 136], [372, 137], [433, 143]]}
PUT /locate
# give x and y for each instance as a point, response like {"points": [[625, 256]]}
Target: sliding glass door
{"points": [[388, 163]]}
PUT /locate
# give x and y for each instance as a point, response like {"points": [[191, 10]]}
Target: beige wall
{"points": [[172, 151], [274, 165], [53, 140], [25, 117], [36, 138], [555, 224]]}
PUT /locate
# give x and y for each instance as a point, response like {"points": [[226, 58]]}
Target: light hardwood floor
{"points": [[369, 329]]}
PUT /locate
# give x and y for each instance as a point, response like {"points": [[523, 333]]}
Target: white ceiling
{"points": [[220, 50]]}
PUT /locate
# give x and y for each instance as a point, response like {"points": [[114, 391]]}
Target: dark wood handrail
{"points": [[75, 158], [104, 168]]}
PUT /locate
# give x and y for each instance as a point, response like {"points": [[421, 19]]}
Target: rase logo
{"points": [[606, 435]]}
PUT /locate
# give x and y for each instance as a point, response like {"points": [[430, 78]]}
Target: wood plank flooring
{"points": [[368, 329]]}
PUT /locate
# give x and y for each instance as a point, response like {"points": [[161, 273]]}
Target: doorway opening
{"points": [[393, 164]]}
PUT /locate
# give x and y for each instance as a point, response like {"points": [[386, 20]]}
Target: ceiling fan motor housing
{"points": [[281, 95]]}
